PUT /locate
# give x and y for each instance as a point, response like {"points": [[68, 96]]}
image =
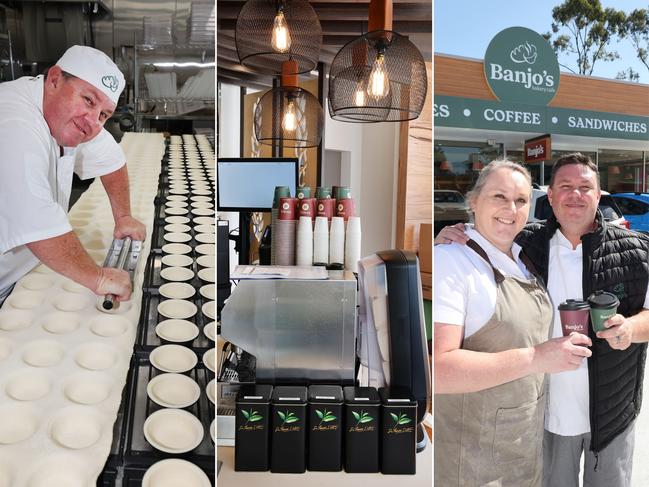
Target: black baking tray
{"points": [[137, 450], [108, 478], [130, 455], [133, 476], [161, 213], [157, 237], [152, 278], [149, 318], [115, 457]]}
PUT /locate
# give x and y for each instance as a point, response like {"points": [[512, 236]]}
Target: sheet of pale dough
{"points": [[52, 337]]}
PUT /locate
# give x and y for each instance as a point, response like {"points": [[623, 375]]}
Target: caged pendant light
{"points": [[289, 116], [379, 76], [269, 32]]}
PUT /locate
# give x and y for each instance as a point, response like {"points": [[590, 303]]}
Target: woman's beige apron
{"points": [[494, 437]]}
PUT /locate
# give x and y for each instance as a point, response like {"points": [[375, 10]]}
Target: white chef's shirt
{"points": [[567, 408], [465, 290], [35, 180]]}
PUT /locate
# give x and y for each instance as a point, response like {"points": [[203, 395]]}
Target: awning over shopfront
{"points": [[451, 111]]}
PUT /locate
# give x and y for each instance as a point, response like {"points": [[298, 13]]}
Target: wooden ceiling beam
{"points": [[345, 11], [348, 27]]}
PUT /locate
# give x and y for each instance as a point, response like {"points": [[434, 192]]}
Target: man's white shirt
{"points": [[35, 180], [567, 408]]}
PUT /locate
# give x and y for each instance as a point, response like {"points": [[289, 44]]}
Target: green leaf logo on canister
{"points": [[287, 417], [251, 416], [400, 419], [362, 417], [325, 416], [520, 66]]}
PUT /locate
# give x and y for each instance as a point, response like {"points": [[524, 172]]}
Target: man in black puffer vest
{"points": [[593, 408]]}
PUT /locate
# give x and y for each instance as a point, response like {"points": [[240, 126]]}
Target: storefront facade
{"points": [[484, 109]]}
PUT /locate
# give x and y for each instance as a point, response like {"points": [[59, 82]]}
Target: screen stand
{"points": [[242, 244]]}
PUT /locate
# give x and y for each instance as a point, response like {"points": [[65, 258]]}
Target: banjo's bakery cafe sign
{"points": [[538, 149], [521, 67], [518, 91]]}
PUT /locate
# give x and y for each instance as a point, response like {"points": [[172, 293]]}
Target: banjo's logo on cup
{"points": [[285, 206], [305, 207], [520, 66], [320, 207], [340, 207]]}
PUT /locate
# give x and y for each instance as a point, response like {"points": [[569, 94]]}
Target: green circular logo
{"points": [[520, 66]]}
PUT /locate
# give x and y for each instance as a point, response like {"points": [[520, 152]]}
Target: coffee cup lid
{"points": [[573, 305], [280, 192], [303, 192], [602, 299], [323, 192]]}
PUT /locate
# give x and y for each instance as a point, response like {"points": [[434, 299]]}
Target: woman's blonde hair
{"points": [[490, 169]]}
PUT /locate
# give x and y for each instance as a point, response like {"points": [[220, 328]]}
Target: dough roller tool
{"points": [[122, 254]]}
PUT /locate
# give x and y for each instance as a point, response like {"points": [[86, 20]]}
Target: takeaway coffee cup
{"points": [[603, 305], [574, 316], [303, 192]]}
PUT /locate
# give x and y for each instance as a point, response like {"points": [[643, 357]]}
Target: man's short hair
{"points": [[574, 158]]}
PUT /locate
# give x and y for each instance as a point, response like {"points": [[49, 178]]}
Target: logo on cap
{"points": [[110, 82]]}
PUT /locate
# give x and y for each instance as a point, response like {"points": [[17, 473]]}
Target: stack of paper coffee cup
{"points": [[284, 233], [321, 241], [337, 241], [304, 241], [280, 192], [353, 243]]}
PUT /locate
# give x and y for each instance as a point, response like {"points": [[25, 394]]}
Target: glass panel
{"points": [[607, 207], [457, 164], [631, 207], [620, 171]]}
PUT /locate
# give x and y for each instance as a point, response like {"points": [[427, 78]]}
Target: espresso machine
{"points": [[344, 330]]}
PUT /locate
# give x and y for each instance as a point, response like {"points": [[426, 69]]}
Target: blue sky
{"points": [[465, 28]]}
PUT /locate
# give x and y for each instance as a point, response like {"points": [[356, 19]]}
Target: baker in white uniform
{"points": [[50, 127]]}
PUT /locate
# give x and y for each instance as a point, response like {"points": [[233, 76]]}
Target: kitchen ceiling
{"points": [[341, 20]]}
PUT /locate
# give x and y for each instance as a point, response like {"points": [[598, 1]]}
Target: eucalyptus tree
{"points": [[585, 29], [636, 29]]}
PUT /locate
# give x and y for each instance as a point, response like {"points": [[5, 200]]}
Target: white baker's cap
{"points": [[95, 67]]}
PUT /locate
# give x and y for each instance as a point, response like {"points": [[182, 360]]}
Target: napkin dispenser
{"points": [[391, 338]]}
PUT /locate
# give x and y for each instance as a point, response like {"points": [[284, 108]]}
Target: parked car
{"points": [[449, 208], [540, 208], [635, 208]]}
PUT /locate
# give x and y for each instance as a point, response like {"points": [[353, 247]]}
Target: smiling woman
{"points": [[492, 319]]}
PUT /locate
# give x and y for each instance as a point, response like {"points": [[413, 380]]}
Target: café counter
{"points": [[227, 477]]}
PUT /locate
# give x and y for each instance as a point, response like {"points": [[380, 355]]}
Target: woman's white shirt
{"points": [[464, 285]]}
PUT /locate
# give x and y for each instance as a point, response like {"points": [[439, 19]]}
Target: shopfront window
{"points": [[621, 171], [542, 171], [457, 164]]}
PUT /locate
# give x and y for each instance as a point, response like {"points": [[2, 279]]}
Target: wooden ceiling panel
{"points": [[341, 20]]}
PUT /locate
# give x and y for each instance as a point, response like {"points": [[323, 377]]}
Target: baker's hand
{"points": [[618, 333], [453, 233], [114, 281], [127, 226]]}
